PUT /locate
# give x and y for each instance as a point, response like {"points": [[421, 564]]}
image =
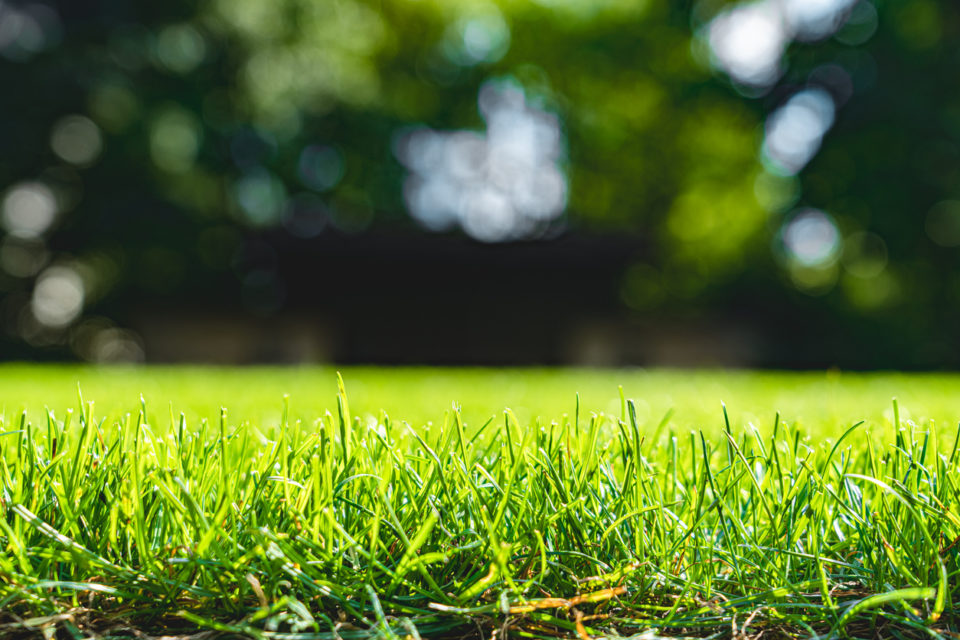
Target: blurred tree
{"points": [[154, 148]]}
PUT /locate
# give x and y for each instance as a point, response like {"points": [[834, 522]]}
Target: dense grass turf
{"points": [[653, 512]]}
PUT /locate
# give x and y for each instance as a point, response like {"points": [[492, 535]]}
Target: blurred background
{"points": [[769, 183]]}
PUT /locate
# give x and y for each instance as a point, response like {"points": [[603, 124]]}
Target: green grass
{"points": [[655, 512], [814, 401]]}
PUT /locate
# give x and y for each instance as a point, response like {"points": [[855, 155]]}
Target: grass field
{"points": [[816, 505]]}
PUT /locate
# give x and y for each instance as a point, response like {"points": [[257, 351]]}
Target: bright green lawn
{"points": [[819, 402], [646, 513]]}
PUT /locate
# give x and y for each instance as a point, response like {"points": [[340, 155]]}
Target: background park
{"points": [[644, 314]]}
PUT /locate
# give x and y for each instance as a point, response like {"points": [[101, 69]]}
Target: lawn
{"points": [[814, 505]]}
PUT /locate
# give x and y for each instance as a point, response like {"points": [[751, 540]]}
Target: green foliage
{"points": [[201, 112]]}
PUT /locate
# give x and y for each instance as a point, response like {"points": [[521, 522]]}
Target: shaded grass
{"points": [[587, 525]]}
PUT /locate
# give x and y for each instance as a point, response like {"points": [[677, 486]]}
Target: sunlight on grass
{"points": [[327, 521], [818, 401]]}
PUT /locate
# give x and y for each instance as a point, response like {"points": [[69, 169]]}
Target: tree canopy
{"points": [[805, 153]]}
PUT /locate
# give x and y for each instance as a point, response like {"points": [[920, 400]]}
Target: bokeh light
{"points": [[29, 209], [98, 339], [175, 136], [481, 37], [116, 345], [77, 140], [501, 185], [748, 40], [795, 130], [180, 48], [261, 197], [811, 238], [27, 30], [58, 297], [815, 19]]}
